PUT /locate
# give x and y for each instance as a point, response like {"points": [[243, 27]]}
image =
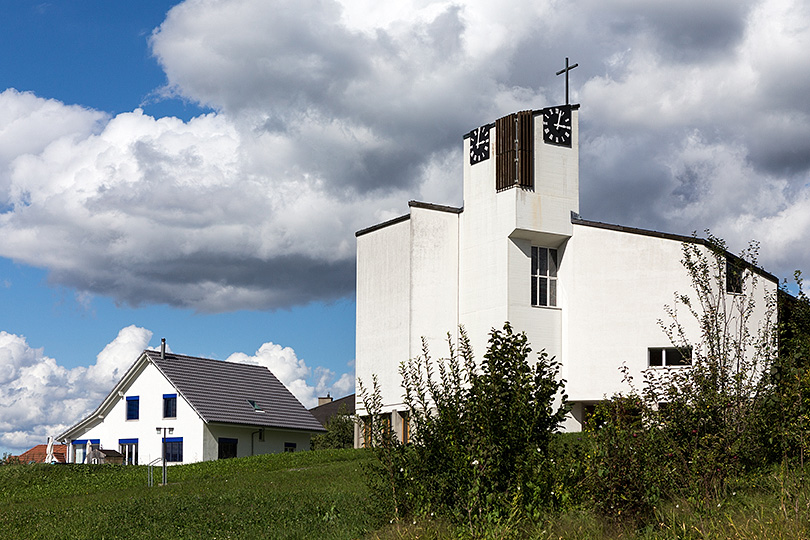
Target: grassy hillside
{"points": [[302, 495]]}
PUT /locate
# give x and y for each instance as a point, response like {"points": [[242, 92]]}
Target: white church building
{"points": [[590, 294]]}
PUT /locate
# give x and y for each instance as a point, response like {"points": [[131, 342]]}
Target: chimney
{"points": [[324, 400], [163, 348]]}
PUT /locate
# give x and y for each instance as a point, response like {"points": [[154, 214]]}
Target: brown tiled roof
{"points": [[37, 454]]}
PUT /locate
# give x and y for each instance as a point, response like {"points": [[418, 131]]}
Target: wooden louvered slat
{"points": [[514, 152]]}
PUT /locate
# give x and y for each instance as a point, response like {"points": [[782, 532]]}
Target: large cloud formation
{"points": [[40, 398], [329, 115]]}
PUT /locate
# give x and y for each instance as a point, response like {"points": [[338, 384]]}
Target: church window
{"points": [[734, 278], [670, 356], [544, 276]]}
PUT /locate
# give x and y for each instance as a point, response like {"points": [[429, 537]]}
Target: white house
{"points": [[588, 293], [209, 409]]}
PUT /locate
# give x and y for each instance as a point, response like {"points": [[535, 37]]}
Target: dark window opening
{"points": [[544, 276], [289, 446], [670, 356], [734, 278], [133, 407], [174, 449], [227, 448], [169, 405]]}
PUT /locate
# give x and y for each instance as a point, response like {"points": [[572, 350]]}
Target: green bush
{"points": [[479, 452]]}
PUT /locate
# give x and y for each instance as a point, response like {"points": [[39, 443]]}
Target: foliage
{"points": [[786, 414], [339, 432], [479, 450], [699, 426]]}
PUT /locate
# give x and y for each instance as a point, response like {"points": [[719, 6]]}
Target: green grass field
{"points": [[302, 495], [324, 495]]}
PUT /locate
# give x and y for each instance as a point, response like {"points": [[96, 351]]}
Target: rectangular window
{"points": [[169, 405], [669, 356], [227, 448], [129, 450], [133, 407], [174, 449], [80, 448], [289, 446], [544, 276], [734, 278]]}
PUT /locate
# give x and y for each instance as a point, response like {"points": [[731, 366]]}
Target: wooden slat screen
{"points": [[514, 152]]}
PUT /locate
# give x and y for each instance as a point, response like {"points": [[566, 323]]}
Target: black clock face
{"points": [[479, 145], [557, 126]]}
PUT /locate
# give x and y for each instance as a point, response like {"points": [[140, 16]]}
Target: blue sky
{"points": [[196, 170]]}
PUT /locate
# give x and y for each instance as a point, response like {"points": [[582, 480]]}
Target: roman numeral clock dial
{"points": [[557, 126]]}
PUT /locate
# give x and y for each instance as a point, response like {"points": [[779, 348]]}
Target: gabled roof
{"points": [[38, 453], [222, 392], [326, 411], [218, 391]]}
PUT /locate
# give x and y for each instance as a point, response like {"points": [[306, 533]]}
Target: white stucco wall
{"points": [[383, 308], [617, 285], [149, 386]]}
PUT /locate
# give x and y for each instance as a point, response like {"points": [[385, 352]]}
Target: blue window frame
{"points": [[169, 405], [129, 449], [133, 407], [174, 449]]}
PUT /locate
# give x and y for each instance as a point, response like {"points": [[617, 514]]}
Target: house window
{"points": [[734, 278], [669, 356], [174, 449], [133, 407], [227, 448], [255, 405], [169, 405], [129, 450], [289, 446], [80, 449], [544, 276]]}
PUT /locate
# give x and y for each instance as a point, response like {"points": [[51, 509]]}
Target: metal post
{"points": [[164, 456]]}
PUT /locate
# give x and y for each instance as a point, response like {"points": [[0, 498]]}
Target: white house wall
{"points": [[248, 443], [149, 386]]}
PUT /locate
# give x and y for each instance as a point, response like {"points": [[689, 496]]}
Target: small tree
{"points": [[339, 432], [480, 438], [699, 424], [710, 412]]}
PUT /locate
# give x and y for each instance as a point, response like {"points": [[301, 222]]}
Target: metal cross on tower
{"points": [[566, 70]]}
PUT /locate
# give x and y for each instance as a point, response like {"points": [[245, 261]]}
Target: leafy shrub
{"points": [[479, 452]]}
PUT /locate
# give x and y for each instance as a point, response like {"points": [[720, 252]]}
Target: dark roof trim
{"points": [[576, 220], [437, 207], [406, 217], [382, 225]]}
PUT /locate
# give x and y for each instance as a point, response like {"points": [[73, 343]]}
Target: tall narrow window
{"points": [[544, 276], [133, 407], [129, 450], [169, 405], [734, 278]]}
